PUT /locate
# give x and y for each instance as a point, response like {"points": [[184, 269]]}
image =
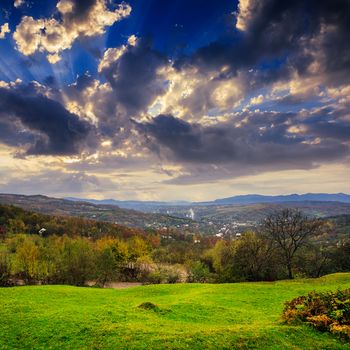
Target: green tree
{"points": [[342, 256], [253, 258], [27, 260], [221, 256], [111, 257], [76, 264], [106, 266]]}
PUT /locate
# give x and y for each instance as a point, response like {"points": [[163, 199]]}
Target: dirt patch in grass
{"points": [[122, 285], [116, 285]]}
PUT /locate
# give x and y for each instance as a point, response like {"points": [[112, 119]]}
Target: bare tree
{"points": [[289, 229]]}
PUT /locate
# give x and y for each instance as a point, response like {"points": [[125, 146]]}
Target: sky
{"points": [[174, 100]]}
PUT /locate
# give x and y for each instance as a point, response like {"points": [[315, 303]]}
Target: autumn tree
{"points": [[111, 257], [16, 226]]}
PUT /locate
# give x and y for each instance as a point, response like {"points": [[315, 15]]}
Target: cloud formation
{"points": [[133, 80], [263, 138], [133, 72], [18, 3], [269, 93], [4, 29], [78, 19], [282, 38], [39, 125]]}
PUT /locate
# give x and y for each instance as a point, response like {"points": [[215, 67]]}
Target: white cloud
{"points": [[192, 94], [257, 100], [245, 9], [18, 3], [54, 36], [4, 29], [112, 55]]}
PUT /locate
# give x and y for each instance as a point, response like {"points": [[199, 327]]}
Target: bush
{"points": [[164, 274], [328, 311], [155, 277], [198, 272]]}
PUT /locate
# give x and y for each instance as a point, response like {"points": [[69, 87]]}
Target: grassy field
{"points": [[189, 316]]}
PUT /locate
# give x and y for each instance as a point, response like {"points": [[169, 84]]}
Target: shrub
{"points": [[198, 272], [155, 277], [164, 274], [328, 311]]}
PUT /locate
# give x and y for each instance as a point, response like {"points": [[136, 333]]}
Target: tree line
{"points": [[74, 251]]}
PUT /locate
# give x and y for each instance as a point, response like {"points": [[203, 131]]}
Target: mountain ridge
{"points": [[239, 199], [102, 212]]}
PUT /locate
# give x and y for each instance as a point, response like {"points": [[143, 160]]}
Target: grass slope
{"points": [[189, 316]]}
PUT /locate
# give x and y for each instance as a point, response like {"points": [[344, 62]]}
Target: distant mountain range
{"points": [[231, 215], [307, 197], [133, 204], [235, 200]]}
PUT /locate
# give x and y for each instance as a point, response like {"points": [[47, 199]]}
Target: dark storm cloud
{"points": [[297, 32], [82, 83], [331, 130], [11, 135], [133, 83], [291, 100], [327, 22], [263, 140], [134, 76], [27, 117], [81, 8]]}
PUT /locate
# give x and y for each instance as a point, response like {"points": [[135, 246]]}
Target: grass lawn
{"points": [[189, 316]]}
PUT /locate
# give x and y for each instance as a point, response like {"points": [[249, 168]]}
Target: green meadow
{"points": [[186, 316]]}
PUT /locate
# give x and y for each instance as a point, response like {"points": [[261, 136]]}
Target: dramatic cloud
{"points": [[77, 19], [133, 72], [192, 94], [134, 79], [319, 29], [263, 140], [263, 90], [39, 125], [308, 38]]}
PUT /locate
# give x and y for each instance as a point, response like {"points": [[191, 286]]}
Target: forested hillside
{"points": [[109, 213], [38, 248]]}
